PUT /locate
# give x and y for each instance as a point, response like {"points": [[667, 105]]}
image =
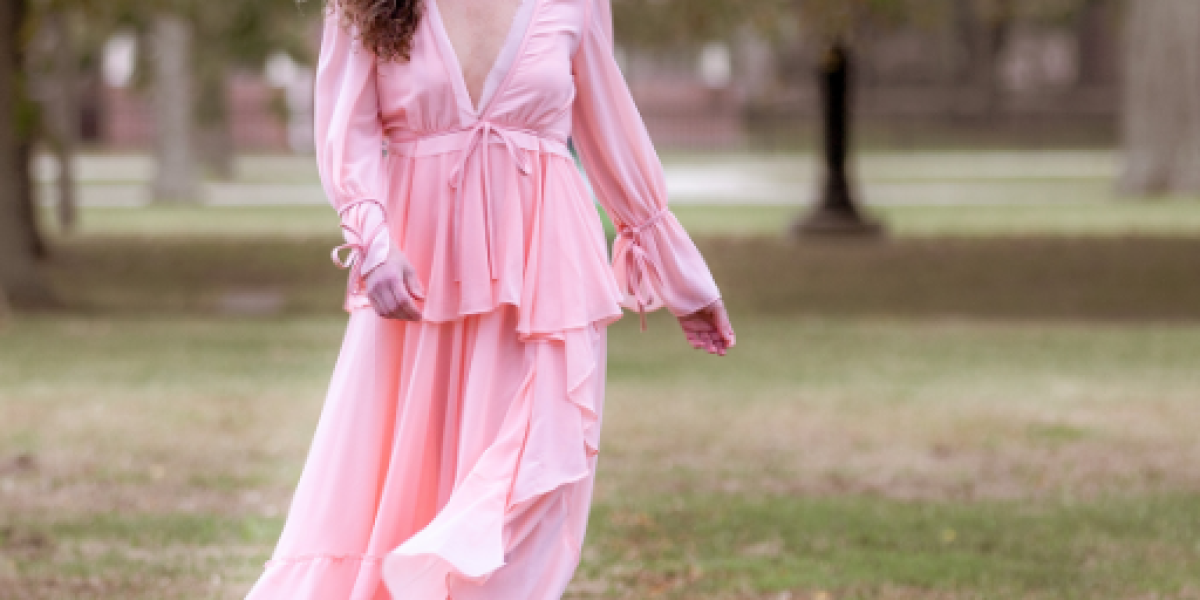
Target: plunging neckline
{"points": [[454, 65]]}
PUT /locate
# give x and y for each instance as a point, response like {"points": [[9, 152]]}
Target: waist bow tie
{"points": [[479, 137]]}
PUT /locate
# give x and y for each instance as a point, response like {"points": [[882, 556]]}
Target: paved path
{"points": [[916, 178]]}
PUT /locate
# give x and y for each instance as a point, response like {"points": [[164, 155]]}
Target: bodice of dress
{"points": [[504, 60], [529, 87], [487, 202]]}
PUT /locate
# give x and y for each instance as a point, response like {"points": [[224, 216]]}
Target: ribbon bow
{"points": [[481, 132], [357, 243], [639, 264]]}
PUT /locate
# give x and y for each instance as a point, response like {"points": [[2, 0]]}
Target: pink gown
{"points": [[455, 456]]}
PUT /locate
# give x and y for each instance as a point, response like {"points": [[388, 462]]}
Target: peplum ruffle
{"points": [[484, 232]]}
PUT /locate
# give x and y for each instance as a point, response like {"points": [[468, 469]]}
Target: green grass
{"points": [[825, 454], [131, 556], [993, 415], [868, 548], [688, 547]]}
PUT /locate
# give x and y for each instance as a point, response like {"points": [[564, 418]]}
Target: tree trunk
{"points": [[63, 117], [175, 179], [994, 37], [1161, 118], [966, 27], [21, 281], [836, 211], [216, 140], [981, 37], [1098, 54], [26, 190]]}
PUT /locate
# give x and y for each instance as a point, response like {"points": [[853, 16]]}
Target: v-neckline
{"points": [[454, 65]]}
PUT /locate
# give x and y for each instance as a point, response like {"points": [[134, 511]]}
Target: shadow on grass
{"points": [[1120, 278]]}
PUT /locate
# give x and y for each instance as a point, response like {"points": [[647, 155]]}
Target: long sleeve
{"points": [[654, 260], [349, 146]]}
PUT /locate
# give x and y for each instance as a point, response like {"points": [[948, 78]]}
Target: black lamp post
{"points": [[836, 212]]}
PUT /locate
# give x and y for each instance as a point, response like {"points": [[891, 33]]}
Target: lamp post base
{"points": [[827, 222]]}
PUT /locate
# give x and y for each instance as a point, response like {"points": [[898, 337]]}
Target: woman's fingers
{"points": [[709, 329], [407, 305], [381, 299], [724, 327], [394, 287], [702, 336], [386, 300], [396, 307], [714, 343], [414, 283]]}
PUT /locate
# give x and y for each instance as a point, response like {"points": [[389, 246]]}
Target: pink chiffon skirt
{"points": [[452, 460]]}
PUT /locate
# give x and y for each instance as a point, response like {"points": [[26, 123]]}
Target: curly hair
{"points": [[385, 27]]}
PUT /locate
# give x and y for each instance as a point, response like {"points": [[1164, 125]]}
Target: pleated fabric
{"points": [[466, 473]]}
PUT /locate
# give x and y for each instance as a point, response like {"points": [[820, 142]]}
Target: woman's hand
{"points": [[709, 329], [394, 288]]}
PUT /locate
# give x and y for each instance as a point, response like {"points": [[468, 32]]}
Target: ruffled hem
{"points": [[544, 445], [308, 558], [547, 440], [321, 576]]}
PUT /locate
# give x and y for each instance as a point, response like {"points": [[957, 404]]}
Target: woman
{"points": [[457, 448]]}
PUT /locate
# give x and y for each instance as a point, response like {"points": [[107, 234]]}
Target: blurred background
{"points": [[959, 239]]}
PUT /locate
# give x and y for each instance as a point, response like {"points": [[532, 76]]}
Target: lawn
{"points": [[928, 416], [1160, 217], [151, 458]]}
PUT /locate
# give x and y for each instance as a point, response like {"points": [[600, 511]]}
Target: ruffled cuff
{"points": [[364, 226], [658, 265]]}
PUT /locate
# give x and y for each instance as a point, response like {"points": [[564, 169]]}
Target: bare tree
{"points": [[61, 101], [20, 278], [1099, 57], [983, 27], [213, 120], [1161, 119], [176, 178]]}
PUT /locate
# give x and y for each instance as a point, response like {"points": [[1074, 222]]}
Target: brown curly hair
{"points": [[385, 27]]}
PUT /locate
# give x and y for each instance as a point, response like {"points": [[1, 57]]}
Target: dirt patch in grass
{"points": [[791, 444], [932, 410]]}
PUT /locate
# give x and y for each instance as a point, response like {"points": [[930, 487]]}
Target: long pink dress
{"points": [[455, 456]]}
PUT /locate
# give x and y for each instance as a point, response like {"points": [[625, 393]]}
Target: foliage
{"points": [[667, 23], [240, 33]]}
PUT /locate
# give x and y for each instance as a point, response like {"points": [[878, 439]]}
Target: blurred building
{"points": [[1059, 75], [261, 104], [1051, 78]]}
